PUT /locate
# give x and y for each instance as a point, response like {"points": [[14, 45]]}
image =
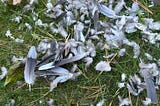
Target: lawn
{"points": [[90, 87]]}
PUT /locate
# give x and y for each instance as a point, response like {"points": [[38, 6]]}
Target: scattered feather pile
{"points": [[82, 17], [103, 66]]}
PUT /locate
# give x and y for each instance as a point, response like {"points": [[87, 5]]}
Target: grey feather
{"points": [[151, 90], [96, 20], [44, 73], [30, 65], [72, 59], [62, 62]]}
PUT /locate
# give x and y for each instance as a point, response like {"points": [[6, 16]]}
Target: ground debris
{"points": [[85, 26]]}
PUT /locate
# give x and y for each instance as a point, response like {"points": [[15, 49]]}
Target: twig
{"points": [[110, 104], [82, 73], [137, 101], [98, 76], [144, 7], [94, 94], [116, 93], [130, 98], [113, 58], [91, 87], [39, 88], [20, 87]]}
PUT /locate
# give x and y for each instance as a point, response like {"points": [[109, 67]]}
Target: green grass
{"points": [[88, 88]]}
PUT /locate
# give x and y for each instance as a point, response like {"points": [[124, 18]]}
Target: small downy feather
{"points": [[11, 103], [103, 66], [147, 102], [101, 103], [50, 102], [30, 65], [4, 72], [123, 101]]}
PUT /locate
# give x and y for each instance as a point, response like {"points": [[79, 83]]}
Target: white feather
{"points": [[4, 72]]}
